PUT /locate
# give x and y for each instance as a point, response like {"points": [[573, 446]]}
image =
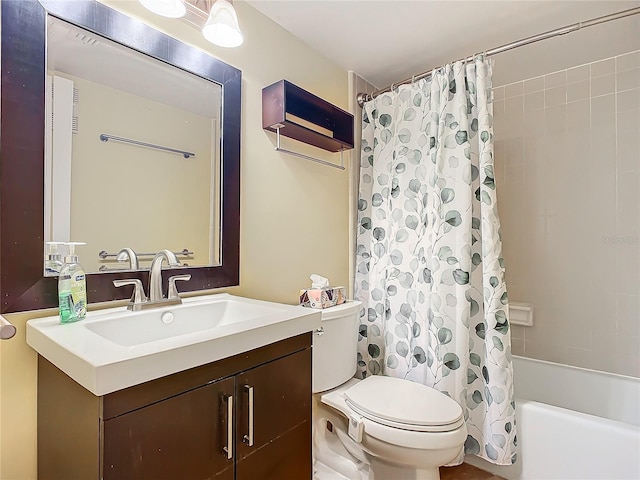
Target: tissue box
{"points": [[323, 297]]}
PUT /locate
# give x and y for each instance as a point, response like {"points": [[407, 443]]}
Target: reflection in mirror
{"points": [[22, 140], [132, 154]]}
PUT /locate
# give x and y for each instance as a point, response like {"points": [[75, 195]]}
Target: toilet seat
{"points": [[404, 435], [404, 404]]}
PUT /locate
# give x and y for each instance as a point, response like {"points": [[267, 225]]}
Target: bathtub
{"points": [[573, 424]]}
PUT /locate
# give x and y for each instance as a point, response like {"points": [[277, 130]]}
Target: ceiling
{"points": [[386, 41]]}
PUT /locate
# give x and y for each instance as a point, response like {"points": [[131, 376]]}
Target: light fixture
{"points": [[217, 18], [222, 27], [166, 8]]}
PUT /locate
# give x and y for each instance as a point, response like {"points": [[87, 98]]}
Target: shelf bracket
{"points": [[306, 157]]}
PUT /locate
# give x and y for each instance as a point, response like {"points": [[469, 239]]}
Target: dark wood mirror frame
{"points": [[22, 284]]}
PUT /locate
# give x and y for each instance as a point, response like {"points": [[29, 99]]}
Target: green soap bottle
{"points": [[72, 288]]}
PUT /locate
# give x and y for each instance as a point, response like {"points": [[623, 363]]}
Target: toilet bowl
{"points": [[381, 427]]}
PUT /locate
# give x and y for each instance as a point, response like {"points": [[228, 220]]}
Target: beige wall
{"points": [[294, 213], [145, 218], [567, 158], [18, 403]]}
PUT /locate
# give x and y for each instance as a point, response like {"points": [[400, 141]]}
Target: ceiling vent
{"points": [[86, 39]]}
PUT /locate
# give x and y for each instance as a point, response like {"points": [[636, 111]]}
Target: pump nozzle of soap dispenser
{"points": [[53, 261], [72, 257]]}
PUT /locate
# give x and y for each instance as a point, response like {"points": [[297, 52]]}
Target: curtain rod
{"points": [[365, 97]]}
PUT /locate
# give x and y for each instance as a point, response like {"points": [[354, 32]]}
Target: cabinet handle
{"points": [[228, 450], [248, 439]]}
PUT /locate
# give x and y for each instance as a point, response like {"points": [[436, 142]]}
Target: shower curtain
{"points": [[429, 266]]}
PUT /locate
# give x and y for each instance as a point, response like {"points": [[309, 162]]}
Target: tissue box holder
{"points": [[322, 297]]}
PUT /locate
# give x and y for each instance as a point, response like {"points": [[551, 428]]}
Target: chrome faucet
{"points": [[128, 254], [155, 273], [138, 300]]}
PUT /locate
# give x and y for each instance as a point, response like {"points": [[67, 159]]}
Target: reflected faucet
{"points": [[128, 254], [155, 273]]}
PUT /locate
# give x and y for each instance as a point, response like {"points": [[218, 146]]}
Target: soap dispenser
{"points": [[72, 287], [53, 261]]}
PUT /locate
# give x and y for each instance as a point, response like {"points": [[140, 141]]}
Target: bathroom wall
{"points": [[568, 162], [294, 213], [357, 85], [282, 196]]}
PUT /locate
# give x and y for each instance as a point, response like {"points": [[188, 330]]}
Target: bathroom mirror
{"points": [[124, 129], [22, 166]]}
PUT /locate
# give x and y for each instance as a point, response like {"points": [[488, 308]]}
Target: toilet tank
{"points": [[335, 350]]}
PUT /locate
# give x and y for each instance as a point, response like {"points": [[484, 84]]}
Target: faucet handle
{"points": [[173, 290], [138, 296]]}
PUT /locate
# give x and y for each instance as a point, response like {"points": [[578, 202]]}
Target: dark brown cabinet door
{"points": [[281, 411], [182, 437], [177, 427], [288, 457]]}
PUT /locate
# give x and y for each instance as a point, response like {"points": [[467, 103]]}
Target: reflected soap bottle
{"points": [[72, 288], [53, 262]]}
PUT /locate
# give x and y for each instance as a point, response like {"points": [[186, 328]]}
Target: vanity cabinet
{"points": [[180, 437], [244, 417]]}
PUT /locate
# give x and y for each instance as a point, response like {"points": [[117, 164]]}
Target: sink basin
{"points": [[115, 348], [152, 325]]}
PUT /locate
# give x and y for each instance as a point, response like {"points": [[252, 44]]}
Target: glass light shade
{"points": [[222, 27], [166, 8]]}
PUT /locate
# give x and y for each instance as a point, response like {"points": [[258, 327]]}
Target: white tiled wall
{"points": [[568, 164]]}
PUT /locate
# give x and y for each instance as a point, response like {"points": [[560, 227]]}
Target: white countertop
{"points": [[115, 348]]}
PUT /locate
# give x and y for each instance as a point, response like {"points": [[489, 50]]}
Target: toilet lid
{"points": [[403, 404]]}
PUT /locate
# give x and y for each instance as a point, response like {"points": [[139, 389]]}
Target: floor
{"points": [[322, 472], [466, 472]]}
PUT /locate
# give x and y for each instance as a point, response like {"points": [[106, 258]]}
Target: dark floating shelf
{"points": [[305, 117]]}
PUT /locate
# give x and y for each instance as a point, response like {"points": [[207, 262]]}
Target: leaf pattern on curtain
{"points": [[429, 267]]}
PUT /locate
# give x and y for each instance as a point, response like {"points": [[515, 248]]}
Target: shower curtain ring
{"points": [[480, 55]]}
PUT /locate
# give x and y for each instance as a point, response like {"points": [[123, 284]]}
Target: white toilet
{"points": [[379, 428]]}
